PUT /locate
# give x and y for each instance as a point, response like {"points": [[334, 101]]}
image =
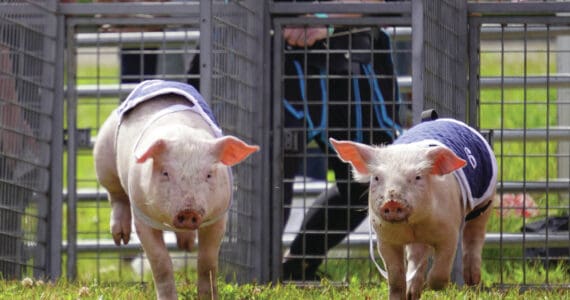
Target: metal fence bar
{"points": [[71, 106], [487, 33], [135, 38], [146, 8], [357, 239], [549, 8], [405, 83], [55, 214]]}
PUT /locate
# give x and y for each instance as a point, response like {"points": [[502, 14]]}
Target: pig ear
{"points": [[358, 155], [159, 146], [231, 150], [444, 160]]}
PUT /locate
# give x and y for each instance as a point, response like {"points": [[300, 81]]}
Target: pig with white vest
{"points": [[162, 157], [436, 180]]}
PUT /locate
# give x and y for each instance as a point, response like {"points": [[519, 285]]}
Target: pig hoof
{"points": [[121, 237], [188, 219], [393, 211]]}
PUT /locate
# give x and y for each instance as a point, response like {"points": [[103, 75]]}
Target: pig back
{"points": [[479, 177], [156, 103]]}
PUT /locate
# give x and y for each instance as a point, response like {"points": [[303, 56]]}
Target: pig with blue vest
{"points": [[435, 181], [163, 160]]}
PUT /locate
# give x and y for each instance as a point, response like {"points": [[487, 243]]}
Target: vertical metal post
{"points": [[277, 157], [71, 154], [459, 91], [474, 60], [563, 67], [270, 256], [54, 220], [206, 49], [417, 60]]}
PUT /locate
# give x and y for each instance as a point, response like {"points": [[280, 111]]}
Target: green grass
{"points": [[187, 290]]}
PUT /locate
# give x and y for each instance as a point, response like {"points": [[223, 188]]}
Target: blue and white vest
{"points": [[152, 88], [479, 177]]}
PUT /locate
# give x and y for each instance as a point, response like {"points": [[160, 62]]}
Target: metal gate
{"points": [[113, 46], [518, 64], [455, 48], [30, 141]]}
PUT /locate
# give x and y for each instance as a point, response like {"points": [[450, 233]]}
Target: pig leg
{"points": [[473, 241], [120, 217], [393, 257], [440, 273], [107, 175], [210, 239], [185, 240], [417, 258], [155, 249]]}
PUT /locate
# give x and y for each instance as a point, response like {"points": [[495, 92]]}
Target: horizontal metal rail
{"points": [[558, 133], [356, 239], [399, 33], [404, 82], [554, 133], [315, 187], [190, 37]]}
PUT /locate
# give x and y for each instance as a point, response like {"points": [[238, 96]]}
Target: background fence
{"points": [[30, 140], [131, 42], [490, 64]]}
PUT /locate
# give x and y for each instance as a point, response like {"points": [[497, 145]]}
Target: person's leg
{"points": [[293, 148], [335, 213]]}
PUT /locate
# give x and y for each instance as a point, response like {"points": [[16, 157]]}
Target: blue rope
{"points": [[358, 101], [299, 69], [380, 98], [376, 108], [296, 113], [324, 109]]}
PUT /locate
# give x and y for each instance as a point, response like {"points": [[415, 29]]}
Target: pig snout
{"points": [[393, 211], [188, 219]]}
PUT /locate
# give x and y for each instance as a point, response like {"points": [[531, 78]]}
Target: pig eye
{"points": [[209, 176], [418, 177], [376, 178], [164, 175]]}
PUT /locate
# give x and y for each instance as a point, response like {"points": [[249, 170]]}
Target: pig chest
{"points": [[406, 233]]}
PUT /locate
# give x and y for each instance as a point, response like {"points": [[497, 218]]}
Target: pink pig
{"points": [[418, 202], [161, 157]]}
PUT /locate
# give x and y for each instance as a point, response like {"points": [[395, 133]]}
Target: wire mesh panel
{"points": [[124, 45], [236, 81], [29, 232], [521, 87], [441, 67], [343, 85]]}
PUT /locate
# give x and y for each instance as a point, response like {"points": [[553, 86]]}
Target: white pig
{"points": [[162, 157], [437, 179]]}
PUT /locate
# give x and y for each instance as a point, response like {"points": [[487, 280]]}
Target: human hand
{"points": [[304, 36]]}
